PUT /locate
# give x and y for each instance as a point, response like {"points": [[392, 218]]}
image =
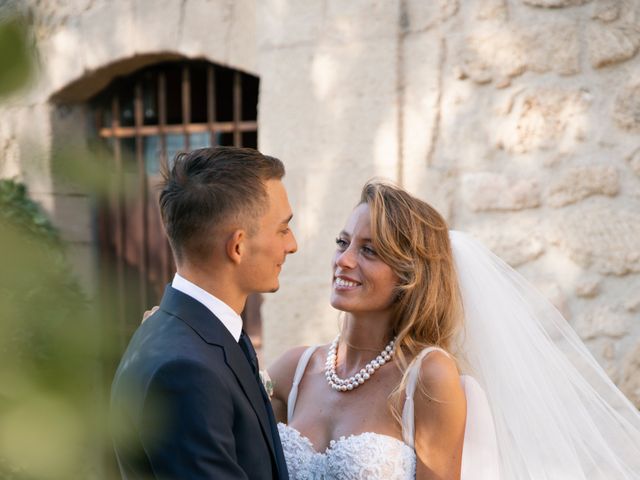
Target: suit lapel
{"points": [[213, 332]]}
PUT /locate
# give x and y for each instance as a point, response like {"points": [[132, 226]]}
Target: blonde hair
{"points": [[413, 239]]}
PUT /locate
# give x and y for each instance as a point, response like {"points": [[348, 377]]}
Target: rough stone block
{"points": [[602, 321], [626, 112], [421, 16], [516, 247], [610, 44], [503, 52], [539, 44], [606, 10], [581, 182], [544, 119], [634, 161], [588, 287], [492, 10], [632, 303], [596, 233], [630, 382], [554, 3], [487, 191]]}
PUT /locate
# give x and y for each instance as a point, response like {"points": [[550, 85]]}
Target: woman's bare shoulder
{"points": [[439, 373], [283, 369]]}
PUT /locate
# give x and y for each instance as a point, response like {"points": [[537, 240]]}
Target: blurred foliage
{"points": [[16, 54], [49, 346], [54, 347]]}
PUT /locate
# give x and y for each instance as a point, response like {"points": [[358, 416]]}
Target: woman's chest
{"points": [[322, 414]]}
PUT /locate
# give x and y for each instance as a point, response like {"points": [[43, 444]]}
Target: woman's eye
{"points": [[368, 251], [341, 243]]}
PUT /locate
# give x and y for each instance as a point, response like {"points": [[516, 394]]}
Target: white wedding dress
{"points": [[374, 456]]}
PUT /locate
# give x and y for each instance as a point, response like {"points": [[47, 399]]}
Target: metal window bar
{"points": [[119, 216], [186, 105], [211, 104], [144, 205], [148, 130], [167, 255], [237, 109]]}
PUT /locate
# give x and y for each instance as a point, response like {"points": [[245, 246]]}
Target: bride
{"points": [[448, 365]]}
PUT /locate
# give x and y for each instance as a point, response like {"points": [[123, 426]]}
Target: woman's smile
{"points": [[343, 283]]}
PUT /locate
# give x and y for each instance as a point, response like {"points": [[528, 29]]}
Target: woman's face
{"points": [[362, 282]]}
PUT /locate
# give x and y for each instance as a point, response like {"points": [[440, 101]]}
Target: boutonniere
{"points": [[267, 383]]}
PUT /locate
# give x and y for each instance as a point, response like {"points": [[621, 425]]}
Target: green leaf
{"points": [[16, 55]]}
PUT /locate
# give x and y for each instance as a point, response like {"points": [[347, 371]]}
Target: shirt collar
{"points": [[229, 318]]}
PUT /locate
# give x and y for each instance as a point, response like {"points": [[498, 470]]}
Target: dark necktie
{"points": [[249, 352], [252, 358]]}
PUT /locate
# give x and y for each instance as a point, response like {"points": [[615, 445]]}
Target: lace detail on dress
{"points": [[367, 456]]}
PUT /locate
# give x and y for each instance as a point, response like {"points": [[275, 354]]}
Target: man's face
{"points": [[267, 249]]}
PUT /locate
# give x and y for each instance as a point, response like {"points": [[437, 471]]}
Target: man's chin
{"points": [[270, 289]]}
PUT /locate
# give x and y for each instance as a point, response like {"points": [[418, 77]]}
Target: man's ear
{"points": [[235, 246]]}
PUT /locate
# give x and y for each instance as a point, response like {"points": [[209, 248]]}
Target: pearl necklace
{"points": [[344, 385]]}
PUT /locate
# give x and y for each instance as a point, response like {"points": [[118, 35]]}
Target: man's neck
{"points": [[217, 284]]}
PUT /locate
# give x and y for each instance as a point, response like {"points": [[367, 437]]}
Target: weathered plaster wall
{"points": [[517, 119], [81, 46]]}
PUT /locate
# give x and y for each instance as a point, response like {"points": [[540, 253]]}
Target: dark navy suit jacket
{"points": [[186, 403]]}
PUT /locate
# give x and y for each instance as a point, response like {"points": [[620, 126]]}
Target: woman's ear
{"points": [[235, 246]]}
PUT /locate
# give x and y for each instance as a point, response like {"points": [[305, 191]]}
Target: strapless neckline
{"points": [[343, 438], [362, 456]]}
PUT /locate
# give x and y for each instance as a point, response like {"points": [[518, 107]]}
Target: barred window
{"points": [[146, 118]]}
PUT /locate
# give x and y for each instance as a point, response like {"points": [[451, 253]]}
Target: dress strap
{"points": [[297, 376], [408, 417]]}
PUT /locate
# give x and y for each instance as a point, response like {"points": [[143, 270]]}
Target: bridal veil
{"points": [[557, 415]]}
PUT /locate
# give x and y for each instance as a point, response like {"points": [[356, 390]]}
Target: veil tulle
{"points": [[556, 413]]}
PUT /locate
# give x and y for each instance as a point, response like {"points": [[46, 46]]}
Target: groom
{"points": [[186, 396]]}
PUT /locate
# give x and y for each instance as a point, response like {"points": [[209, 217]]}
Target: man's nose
{"points": [[292, 246]]}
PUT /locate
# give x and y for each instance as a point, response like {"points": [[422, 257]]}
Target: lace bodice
{"points": [[367, 456]]}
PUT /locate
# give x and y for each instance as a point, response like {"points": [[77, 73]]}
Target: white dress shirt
{"points": [[229, 318]]}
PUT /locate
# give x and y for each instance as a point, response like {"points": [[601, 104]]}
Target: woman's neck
{"points": [[363, 337]]}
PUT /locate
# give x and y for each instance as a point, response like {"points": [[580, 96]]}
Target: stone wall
{"points": [[517, 119]]}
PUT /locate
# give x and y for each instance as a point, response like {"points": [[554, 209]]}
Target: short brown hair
{"points": [[209, 187]]}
